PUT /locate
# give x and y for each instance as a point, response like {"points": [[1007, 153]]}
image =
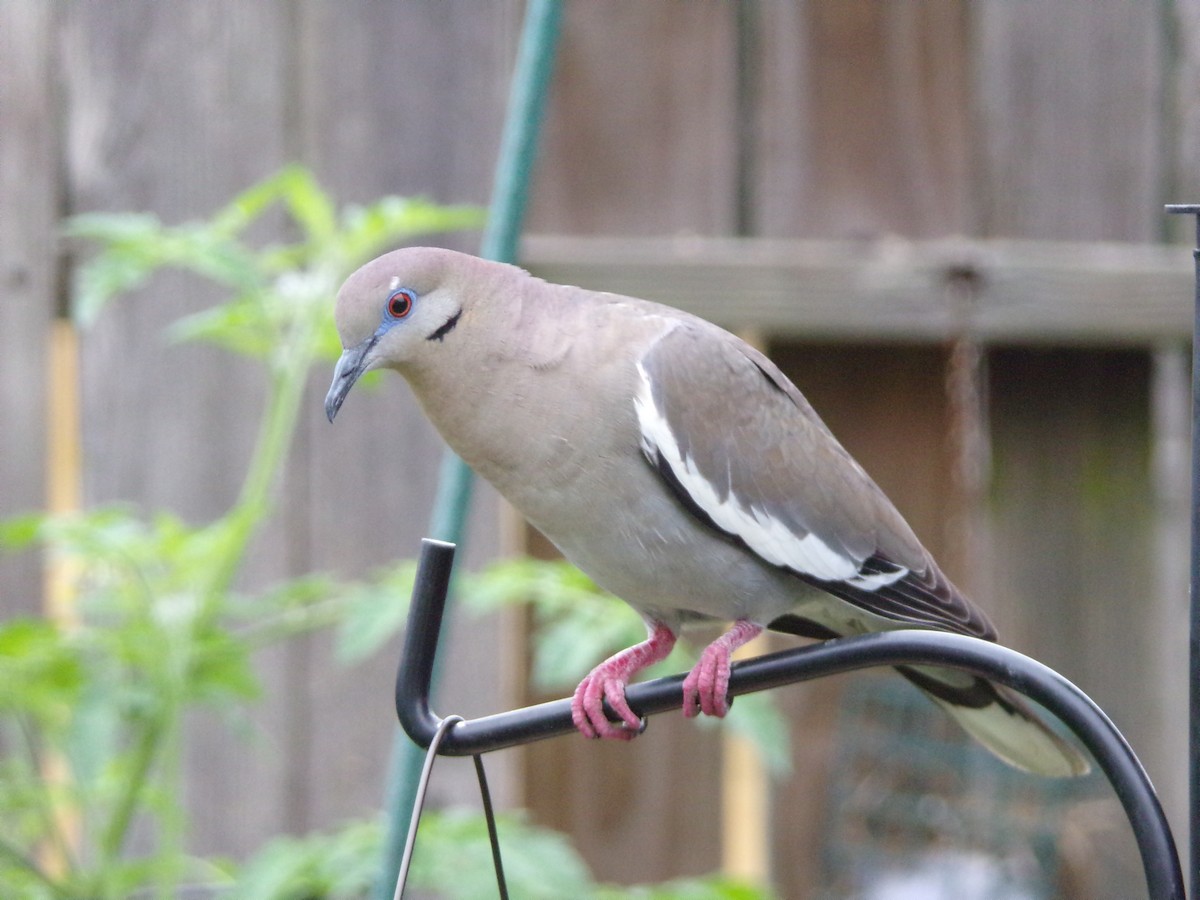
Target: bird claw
{"points": [[608, 681], [706, 687], [587, 709]]}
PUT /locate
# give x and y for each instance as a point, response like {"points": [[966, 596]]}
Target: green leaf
{"points": [[335, 866], [126, 265], [197, 247], [221, 669], [548, 585], [309, 205], [295, 595], [93, 739], [453, 857], [241, 326], [756, 717], [367, 230], [21, 532], [376, 613], [297, 189], [40, 672], [251, 204], [568, 643], [711, 887]]}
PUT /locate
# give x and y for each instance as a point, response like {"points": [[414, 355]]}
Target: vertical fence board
{"points": [[1072, 531], [1181, 129], [640, 136], [1072, 146], [1166, 598], [29, 196], [177, 134], [1070, 131], [173, 108], [902, 444], [862, 122], [1071, 510]]}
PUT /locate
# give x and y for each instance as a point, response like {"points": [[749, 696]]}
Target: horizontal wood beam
{"points": [[999, 291]]}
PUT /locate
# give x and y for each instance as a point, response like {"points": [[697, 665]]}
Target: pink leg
{"points": [[608, 680], [706, 687]]}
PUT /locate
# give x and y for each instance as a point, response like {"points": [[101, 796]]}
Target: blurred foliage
{"points": [[91, 713], [453, 860]]}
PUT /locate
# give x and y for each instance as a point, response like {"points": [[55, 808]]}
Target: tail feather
{"points": [[993, 715], [1002, 722]]}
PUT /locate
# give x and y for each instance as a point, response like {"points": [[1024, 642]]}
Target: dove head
{"points": [[397, 311]]}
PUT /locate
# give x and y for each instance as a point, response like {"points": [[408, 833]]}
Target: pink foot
{"points": [[608, 681], [706, 688]]}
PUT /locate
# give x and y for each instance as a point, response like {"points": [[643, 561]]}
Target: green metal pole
{"points": [[510, 194]]}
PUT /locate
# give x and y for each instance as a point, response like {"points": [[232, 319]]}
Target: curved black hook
{"points": [[1160, 859]]}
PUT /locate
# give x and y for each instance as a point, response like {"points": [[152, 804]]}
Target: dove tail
{"points": [[1002, 722], [993, 715]]}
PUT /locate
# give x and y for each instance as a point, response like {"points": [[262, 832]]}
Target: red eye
{"points": [[400, 303]]}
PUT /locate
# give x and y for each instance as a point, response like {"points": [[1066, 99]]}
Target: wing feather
{"points": [[743, 451]]}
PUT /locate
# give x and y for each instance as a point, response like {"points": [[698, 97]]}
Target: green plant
{"points": [[91, 716], [453, 860]]}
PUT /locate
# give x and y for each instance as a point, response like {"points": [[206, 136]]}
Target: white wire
{"points": [[419, 802]]}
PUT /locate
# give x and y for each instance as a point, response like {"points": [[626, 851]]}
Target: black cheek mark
{"points": [[445, 328]]}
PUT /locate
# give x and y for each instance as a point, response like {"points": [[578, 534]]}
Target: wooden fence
{"points": [[882, 192]]}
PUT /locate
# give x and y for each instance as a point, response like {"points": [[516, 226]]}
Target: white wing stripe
{"points": [[765, 535]]}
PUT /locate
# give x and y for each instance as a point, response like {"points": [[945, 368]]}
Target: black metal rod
{"points": [[1164, 877], [1194, 627]]}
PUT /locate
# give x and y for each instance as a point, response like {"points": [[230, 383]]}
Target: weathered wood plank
{"points": [[1073, 145], [640, 130], [865, 127], [1070, 556], [157, 125], [863, 120], [176, 134], [1181, 126], [894, 423], [1171, 405], [1070, 132], [1026, 291], [29, 196], [1172, 427]]}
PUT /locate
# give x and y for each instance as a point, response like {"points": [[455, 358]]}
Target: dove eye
{"points": [[400, 303]]}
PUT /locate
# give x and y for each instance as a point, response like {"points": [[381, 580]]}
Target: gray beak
{"points": [[349, 366]]}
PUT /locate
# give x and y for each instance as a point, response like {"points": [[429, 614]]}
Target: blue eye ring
{"points": [[400, 303]]}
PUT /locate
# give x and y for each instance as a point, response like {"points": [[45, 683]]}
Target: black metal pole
{"points": [[1164, 877], [1194, 628]]}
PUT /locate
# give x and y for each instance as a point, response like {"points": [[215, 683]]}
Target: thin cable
{"points": [[419, 803], [493, 838]]}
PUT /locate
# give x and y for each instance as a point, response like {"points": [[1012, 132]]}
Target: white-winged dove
{"points": [[674, 464]]}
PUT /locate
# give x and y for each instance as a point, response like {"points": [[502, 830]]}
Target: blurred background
{"points": [[943, 219]]}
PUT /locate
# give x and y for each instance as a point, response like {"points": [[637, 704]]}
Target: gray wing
{"points": [[744, 451]]}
